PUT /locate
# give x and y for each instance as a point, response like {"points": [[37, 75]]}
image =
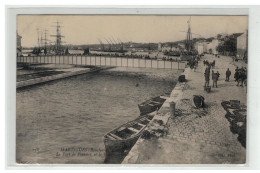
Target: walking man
{"points": [[215, 77], [206, 74], [228, 73], [236, 75], [212, 74]]}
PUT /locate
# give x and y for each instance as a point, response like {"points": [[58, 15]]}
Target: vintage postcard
{"points": [[131, 89]]}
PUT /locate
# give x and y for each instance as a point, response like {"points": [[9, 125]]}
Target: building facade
{"points": [[242, 46], [215, 44], [159, 47], [200, 49], [168, 48], [211, 47]]}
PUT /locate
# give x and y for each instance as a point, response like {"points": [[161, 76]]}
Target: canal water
{"points": [[64, 121]]}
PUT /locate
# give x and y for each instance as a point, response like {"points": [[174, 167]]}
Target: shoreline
{"points": [[52, 72], [195, 136]]}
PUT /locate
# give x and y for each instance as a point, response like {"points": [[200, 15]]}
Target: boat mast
{"points": [[58, 36], [41, 42], [189, 37], [45, 41], [38, 38]]}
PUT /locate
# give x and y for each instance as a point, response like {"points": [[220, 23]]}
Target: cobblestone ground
{"points": [[201, 136]]}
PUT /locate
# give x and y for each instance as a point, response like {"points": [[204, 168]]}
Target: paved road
{"points": [[200, 136]]}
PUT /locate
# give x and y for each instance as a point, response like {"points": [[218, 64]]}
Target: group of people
{"points": [[214, 77], [193, 62], [207, 63], [241, 76]]}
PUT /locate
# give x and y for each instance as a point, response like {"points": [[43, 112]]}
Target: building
{"points": [[168, 48], [205, 44], [200, 49], [215, 44], [209, 47], [182, 45], [159, 47], [212, 46], [242, 45], [18, 45]]}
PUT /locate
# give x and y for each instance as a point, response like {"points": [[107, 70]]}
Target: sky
{"points": [[87, 29]]}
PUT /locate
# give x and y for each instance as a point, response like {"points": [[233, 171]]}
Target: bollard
{"points": [[172, 108]]}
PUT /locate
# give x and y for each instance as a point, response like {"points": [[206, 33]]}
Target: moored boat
{"points": [[124, 137], [151, 105]]}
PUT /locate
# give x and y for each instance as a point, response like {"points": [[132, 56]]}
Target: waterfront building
{"points": [[211, 47], [200, 49], [159, 47], [242, 45], [215, 43], [205, 44], [182, 45], [200, 46], [167, 47]]}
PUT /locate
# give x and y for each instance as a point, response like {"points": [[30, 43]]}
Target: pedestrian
{"points": [[242, 77], [218, 75], [206, 79], [212, 74], [228, 73], [212, 64], [236, 75], [207, 70], [215, 79], [239, 77]]}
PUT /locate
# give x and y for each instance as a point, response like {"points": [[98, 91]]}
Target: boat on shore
{"points": [[151, 105], [124, 137]]}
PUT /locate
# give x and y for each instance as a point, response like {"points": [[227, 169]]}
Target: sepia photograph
{"points": [[131, 89]]}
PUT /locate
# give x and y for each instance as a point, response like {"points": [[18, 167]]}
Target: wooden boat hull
{"points": [[151, 105], [147, 109], [122, 139], [120, 146]]}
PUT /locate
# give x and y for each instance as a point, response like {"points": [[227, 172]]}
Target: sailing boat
{"points": [[189, 46]]}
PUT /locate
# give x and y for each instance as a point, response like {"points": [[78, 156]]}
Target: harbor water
{"points": [[64, 121]]}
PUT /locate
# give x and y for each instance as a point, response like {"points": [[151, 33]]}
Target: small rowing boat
{"points": [[151, 105], [124, 137]]}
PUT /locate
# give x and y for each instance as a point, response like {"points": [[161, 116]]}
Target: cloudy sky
{"points": [[87, 29]]}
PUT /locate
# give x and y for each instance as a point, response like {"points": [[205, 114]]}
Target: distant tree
{"points": [[229, 45], [220, 48]]}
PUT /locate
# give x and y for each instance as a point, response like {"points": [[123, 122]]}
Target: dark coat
{"points": [[215, 76], [236, 75], [228, 73], [206, 76]]}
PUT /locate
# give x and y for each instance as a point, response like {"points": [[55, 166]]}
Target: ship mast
{"points": [[41, 41], [58, 46], [38, 38], [189, 37], [45, 41]]}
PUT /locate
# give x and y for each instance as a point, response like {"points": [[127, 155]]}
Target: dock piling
{"points": [[172, 108]]}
